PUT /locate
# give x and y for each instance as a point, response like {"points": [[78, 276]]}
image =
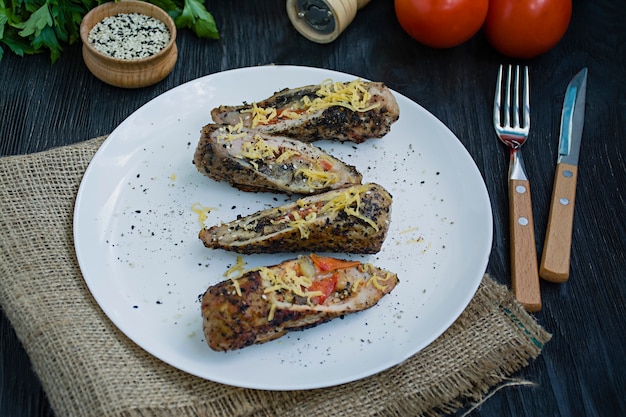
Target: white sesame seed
{"points": [[129, 36]]}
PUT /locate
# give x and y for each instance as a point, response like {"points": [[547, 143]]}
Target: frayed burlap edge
{"points": [[88, 368]]}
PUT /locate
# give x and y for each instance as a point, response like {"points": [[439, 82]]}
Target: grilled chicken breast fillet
{"points": [[350, 220], [266, 303], [354, 111], [253, 161]]}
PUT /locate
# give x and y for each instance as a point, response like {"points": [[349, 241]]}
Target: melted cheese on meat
{"points": [[231, 132], [286, 155], [258, 149], [350, 202], [292, 277], [302, 223], [347, 200], [286, 279], [351, 95], [235, 272], [317, 176], [261, 115], [375, 278]]}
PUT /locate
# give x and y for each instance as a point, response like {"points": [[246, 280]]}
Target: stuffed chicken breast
{"points": [[253, 161], [349, 220], [265, 303], [352, 111]]}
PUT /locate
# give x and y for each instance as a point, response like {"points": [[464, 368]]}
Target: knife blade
{"points": [[555, 259]]}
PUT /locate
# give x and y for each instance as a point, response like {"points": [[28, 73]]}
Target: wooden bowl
{"points": [[128, 73]]}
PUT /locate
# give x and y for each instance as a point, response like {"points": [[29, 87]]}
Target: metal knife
{"points": [[555, 260]]}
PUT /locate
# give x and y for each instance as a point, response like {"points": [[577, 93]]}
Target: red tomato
{"points": [[526, 28], [326, 286], [441, 23]]}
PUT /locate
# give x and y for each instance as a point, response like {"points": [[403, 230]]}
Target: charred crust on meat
{"points": [[268, 231], [336, 122], [232, 321]]}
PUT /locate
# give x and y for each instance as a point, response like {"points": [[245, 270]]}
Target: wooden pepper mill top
{"points": [[322, 21]]}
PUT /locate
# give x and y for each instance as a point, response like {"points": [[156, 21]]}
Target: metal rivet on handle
{"points": [[520, 189], [564, 201], [523, 221], [568, 174], [317, 15]]}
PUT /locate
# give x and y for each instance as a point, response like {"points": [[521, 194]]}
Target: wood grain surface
{"points": [[581, 370]]}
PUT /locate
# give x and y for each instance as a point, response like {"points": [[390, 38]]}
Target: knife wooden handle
{"points": [[524, 270], [555, 260]]}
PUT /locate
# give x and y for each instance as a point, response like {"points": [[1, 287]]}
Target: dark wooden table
{"points": [[582, 369]]}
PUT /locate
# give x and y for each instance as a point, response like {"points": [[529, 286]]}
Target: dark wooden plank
{"points": [[581, 371], [21, 392]]}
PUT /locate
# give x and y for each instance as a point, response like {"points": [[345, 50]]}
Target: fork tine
{"points": [[497, 99], [503, 112], [507, 102], [526, 98], [516, 98]]}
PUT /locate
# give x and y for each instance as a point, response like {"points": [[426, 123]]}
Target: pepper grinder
{"points": [[322, 21]]}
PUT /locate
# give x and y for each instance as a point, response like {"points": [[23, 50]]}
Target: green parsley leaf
{"points": [[36, 22], [36, 26], [197, 18], [46, 38]]}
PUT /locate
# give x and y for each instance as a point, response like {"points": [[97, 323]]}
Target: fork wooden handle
{"points": [[555, 261], [524, 270]]}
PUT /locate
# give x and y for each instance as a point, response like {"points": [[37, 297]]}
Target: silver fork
{"points": [[524, 269]]}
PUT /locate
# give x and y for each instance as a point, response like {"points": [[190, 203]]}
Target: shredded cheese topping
{"points": [[286, 155], [232, 132], [348, 200], [375, 278], [235, 272], [294, 278], [201, 211], [286, 279], [357, 284], [257, 149], [350, 203], [317, 176], [315, 173], [351, 95], [260, 115], [302, 223]]}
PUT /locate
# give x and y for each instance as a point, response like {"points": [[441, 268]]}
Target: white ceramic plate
{"points": [[136, 237]]}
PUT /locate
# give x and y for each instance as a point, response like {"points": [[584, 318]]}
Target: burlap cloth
{"points": [[89, 368]]}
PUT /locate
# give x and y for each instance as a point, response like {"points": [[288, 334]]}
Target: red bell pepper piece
{"points": [[328, 264]]}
